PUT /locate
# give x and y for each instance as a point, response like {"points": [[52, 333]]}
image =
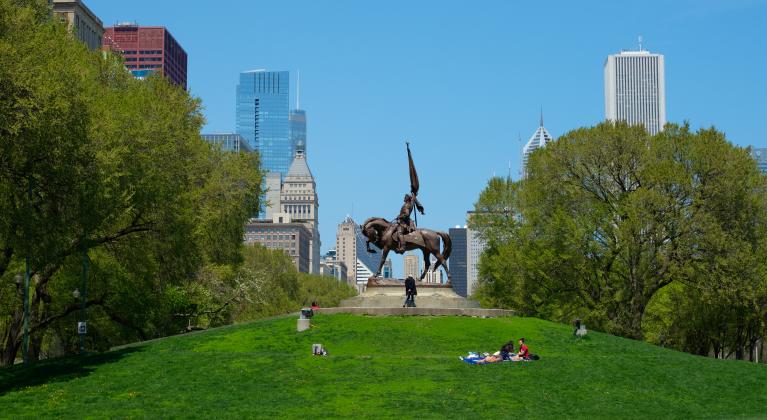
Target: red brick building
{"points": [[148, 49]]}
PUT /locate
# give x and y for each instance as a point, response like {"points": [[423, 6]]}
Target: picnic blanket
{"points": [[474, 358]]}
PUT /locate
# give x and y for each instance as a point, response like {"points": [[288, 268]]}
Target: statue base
{"points": [[390, 293], [382, 282]]}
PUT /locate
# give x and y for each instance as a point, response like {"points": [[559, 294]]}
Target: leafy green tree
{"points": [[94, 161], [609, 216]]}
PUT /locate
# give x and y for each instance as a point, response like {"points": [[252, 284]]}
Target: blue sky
{"points": [[460, 80]]}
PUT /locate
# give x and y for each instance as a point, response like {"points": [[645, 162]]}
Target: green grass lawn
{"points": [[385, 367]]}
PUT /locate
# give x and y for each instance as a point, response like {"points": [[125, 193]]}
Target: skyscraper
{"points": [[475, 247], [760, 155], [262, 117], [458, 260], [297, 127], [412, 265], [635, 89], [540, 138], [148, 49], [298, 198], [350, 249], [298, 119]]}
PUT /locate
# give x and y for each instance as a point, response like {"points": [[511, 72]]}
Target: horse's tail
{"points": [[448, 244]]}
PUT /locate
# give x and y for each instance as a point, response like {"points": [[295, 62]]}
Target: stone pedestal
{"points": [[303, 324]]}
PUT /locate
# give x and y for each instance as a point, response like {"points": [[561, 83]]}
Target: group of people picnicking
{"points": [[505, 354]]}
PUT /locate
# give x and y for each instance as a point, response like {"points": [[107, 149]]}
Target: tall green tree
{"points": [[93, 160], [609, 216]]}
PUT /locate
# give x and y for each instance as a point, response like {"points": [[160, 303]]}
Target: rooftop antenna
{"points": [[541, 116], [640, 43], [509, 176], [298, 89]]}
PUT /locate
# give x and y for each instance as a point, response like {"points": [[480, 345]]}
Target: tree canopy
{"points": [[611, 221]]}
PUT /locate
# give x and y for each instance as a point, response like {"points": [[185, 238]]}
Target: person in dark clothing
{"points": [[410, 292], [507, 350]]}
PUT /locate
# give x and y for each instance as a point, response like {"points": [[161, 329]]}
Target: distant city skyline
{"points": [[461, 97]]}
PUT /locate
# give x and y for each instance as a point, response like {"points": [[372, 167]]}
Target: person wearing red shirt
{"points": [[524, 353]]}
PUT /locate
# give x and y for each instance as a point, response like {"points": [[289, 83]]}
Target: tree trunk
{"points": [[35, 345], [11, 340]]}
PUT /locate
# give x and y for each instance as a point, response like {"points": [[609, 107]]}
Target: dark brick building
{"points": [[148, 49]]}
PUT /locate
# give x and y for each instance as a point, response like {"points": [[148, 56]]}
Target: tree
{"points": [[609, 216], [94, 162]]}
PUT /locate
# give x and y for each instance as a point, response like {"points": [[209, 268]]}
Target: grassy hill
{"points": [[386, 367]]}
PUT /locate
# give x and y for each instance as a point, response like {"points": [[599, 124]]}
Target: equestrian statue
{"points": [[402, 234]]}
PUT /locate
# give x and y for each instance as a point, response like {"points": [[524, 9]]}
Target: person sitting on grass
{"points": [[524, 353]]}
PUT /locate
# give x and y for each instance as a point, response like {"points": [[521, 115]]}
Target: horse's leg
{"points": [[440, 258], [427, 262], [441, 261], [384, 253]]}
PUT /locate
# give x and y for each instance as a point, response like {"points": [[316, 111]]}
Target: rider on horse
{"points": [[404, 224]]}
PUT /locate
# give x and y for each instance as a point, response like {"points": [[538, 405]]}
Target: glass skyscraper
{"points": [[263, 117], [298, 128], [760, 155]]}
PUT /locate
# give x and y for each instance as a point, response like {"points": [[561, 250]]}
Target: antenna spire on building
{"points": [[640, 43], [541, 117]]}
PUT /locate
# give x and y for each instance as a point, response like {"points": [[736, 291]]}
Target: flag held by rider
{"points": [[414, 184], [413, 174]]}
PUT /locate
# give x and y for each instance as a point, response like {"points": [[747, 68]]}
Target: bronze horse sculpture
{"points": [[377, 231]]}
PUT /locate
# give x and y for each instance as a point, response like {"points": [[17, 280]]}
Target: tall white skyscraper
{"points": [[540, 138], [475, 246], [635, 89]]}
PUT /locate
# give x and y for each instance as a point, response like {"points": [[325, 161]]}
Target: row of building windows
{"points": [[142, 52]]}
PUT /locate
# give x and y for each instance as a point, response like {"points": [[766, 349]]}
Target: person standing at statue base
{"points": [[410, 292]]}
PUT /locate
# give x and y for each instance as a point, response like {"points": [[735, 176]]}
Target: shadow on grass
{"points": [[56, 370]]}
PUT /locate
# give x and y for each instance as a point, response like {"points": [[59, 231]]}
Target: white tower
{"points": [[298, 198], [635, 89], [540, 138]]}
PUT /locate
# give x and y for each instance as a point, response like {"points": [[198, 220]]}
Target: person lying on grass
{"points": [[506, 353]]}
